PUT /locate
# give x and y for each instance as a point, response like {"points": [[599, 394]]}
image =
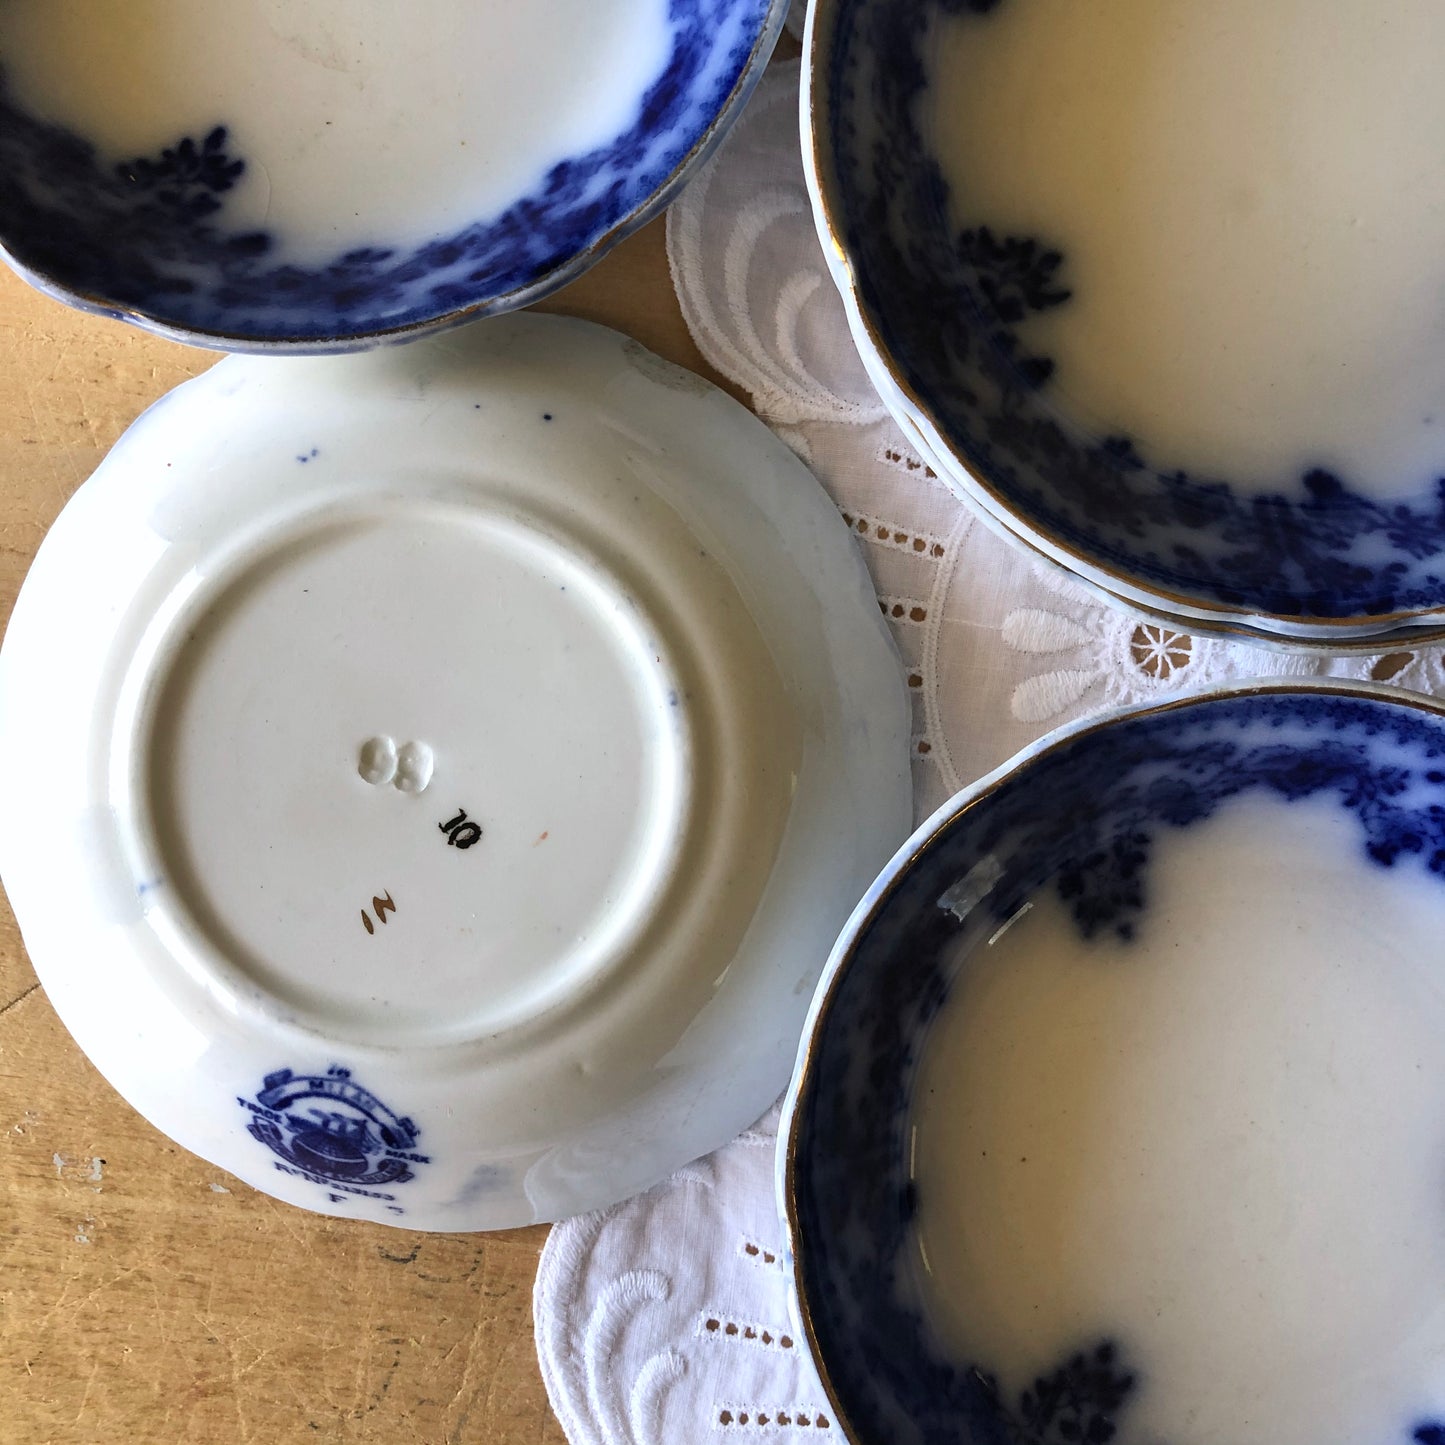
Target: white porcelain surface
{"points": [[348, 91], [1266, 1040], [463, 759], [1250, 297]]}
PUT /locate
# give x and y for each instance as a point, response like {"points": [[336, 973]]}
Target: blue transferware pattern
{"points": [[945, 308], [1082, 818], [328, 1129], [146, 238]]}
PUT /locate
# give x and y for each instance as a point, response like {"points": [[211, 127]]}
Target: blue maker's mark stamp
{"points": [[329, 1130]]}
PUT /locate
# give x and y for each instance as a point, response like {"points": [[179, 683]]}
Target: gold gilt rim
{"points": [[520, 296], [1403, 637], [927, 837], [821, 18]]}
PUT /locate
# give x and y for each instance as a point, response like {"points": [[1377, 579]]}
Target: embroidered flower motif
{"points": [[1107, 658], [1158, 652], [750, 279]]}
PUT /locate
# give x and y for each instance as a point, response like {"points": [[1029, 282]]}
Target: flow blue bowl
{"points": [[147, 240], [936, 311], [1080, 814]]}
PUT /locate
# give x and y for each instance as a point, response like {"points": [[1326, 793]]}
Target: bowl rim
{"points": [[1245, 630], [560, 275], [926, 836], [964, 480]]}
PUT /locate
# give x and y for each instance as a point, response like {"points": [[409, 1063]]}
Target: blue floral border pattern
{"points": [[1081, 819], [1079, 1403], [1093, 843], [149, 234], [934, 297]]}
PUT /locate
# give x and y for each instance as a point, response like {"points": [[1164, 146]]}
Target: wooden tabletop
{"points": [[147, 1296]]}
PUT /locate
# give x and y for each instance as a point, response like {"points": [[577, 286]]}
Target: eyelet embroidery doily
{"points": [[667, 1315]]}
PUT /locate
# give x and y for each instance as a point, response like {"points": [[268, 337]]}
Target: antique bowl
{"points": [[1117, 1112], [956, 302], [463, 757], [262, 177]]}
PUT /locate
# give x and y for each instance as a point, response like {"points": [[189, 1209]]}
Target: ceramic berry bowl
{"points": [[464, 758], [1197, 364], [274, 175], [1120, 1114]]}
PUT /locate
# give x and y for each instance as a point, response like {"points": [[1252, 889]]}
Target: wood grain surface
{"points": [[146, 1297]]}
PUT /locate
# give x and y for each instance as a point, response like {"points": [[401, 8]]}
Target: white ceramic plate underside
{"points": [[505, 721]]}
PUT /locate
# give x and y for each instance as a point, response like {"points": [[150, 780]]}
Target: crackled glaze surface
{"points": [[1136, 844]]}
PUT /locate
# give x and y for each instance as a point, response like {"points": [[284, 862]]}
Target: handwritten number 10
{"points": [[461, 831]]}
